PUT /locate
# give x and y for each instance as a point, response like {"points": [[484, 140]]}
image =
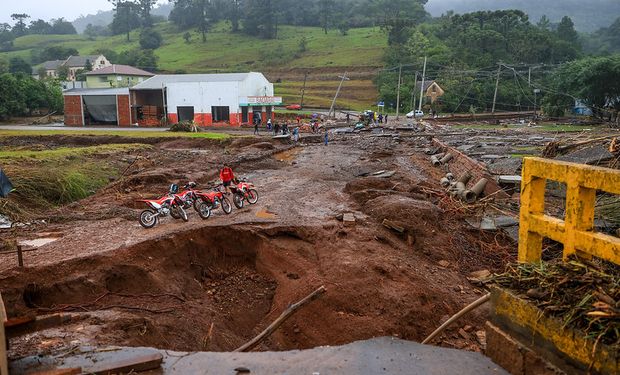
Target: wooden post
{"points": [[20, 256]]}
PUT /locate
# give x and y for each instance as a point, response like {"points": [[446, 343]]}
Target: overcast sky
{"points": [[48, 9]]}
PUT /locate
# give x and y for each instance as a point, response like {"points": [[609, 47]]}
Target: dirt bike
{"points": [[243, 190], [206, 202], [170, 203]]}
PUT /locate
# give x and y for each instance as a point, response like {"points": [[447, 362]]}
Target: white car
{"points": [[416, 113]]}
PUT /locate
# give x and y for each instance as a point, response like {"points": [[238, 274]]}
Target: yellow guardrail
{"points": [[576, 231]]}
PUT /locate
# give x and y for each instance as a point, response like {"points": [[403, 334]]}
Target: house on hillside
{"points": [[116, 76], [206, 99], [431, 90], [73, 64], [77, 63]]}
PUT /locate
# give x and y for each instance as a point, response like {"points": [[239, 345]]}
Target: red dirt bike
{"points": [[243, 190], [170, 203], [206, 202]]}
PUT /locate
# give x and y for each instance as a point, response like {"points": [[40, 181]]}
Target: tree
{"points": [[4, 66], [39, 27], [6, 37], [93, 31], [42, 72], [144, 9], [19, 65], [11, 97], [566, 30], [260, 18], [62, 72], [126, 17], [62, 27], [234, 14], [544, 23], [150, 39], [326, 11], [593, 80], [143, 59], [88, 66], [197, 14], [397, 16], [19, 28], [187, 37], [53, 53]]}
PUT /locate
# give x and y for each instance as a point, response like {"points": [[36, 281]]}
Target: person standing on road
{"points": [[326, 137], [269, 124], [385, 118], [348, 119], [380, 118], [296, 134], [256, 128]]}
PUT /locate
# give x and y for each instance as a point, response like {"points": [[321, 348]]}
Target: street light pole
{"points": [[344, 77]]}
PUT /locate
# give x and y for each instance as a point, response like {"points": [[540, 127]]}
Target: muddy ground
{"points": [[214, 284]]}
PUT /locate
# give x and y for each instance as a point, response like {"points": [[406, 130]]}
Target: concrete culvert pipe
{"points": [[450, 176], [444, 182], [472, 194], [446, 158], [465, 178], [435, 161]]}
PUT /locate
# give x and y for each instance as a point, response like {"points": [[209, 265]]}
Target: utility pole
{"points": [[422, 86], [303, 90], [529, 76], [415, 83], [499, 70], [400, 73], [344, 77]]}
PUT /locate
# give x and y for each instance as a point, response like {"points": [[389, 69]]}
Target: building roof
{"points": [[125, 70], [52, 65], [427, 84], [98, 92], [80, 61], [158, 81]]}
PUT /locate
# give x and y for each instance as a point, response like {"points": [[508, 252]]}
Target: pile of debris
{"points": [[584, 295]]}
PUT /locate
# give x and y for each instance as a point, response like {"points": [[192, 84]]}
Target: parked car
{"points": [[416, 113], [294, 107]]}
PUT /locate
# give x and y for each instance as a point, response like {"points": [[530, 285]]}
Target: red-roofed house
{"points": [[116, 76]]}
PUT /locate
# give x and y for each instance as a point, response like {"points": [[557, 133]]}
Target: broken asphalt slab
{"points": [[385, 355]]}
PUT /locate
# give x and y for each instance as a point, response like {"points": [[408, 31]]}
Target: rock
{"points": [[481, 336], [468, 328], [242, 370], [464, 334], [479, 275], [339, 217], [348, 219], [444, 263]]}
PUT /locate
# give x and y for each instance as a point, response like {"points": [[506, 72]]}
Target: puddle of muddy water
{"points": [[287, 156], [266, 214]]}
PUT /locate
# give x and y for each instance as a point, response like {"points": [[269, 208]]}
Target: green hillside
{"points": [[326, 56], [225, 51]]}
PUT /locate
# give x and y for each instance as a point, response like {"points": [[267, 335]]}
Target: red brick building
{"points": [[97, 107]]}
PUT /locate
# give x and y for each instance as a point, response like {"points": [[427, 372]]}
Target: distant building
{"points": [[206, 99], [431, 90], [116, 76], [73, 63]]}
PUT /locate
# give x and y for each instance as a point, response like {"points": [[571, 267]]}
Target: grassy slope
{"points": [[224, 52]]}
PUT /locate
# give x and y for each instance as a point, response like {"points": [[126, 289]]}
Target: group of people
{"points": [[374, 118]]}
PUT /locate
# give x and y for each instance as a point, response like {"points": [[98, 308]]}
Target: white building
{"points": [[206, 99]]}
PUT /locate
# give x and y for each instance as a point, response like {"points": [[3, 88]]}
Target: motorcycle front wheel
{"points": [[148, 219], [238, 201], [252, 196], [226, 207], [204, 210], [183, 214]]}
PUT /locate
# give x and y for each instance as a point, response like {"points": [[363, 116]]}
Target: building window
{"points": [[102, 62], [103, 79], [220, 114]]}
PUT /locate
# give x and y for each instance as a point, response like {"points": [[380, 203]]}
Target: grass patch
{"points": [[69, 152], [119, 133], [51, 178]]}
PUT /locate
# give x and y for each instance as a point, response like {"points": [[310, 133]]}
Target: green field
{"points": [[118, 133], [225, 51]]}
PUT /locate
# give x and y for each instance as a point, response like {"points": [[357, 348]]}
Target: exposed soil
{"points": [[214, 284]]}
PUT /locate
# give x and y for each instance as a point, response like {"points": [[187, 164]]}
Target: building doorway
{"points": [[100, 110]]}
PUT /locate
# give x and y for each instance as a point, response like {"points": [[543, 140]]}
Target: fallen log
{"points": [[390, 224], [455, 317], [281, 319]]}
